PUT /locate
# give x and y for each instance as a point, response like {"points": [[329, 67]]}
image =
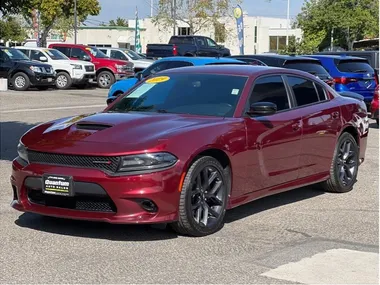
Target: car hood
{"points": [[33, 62], [69, 61], [114, 61], [110, 133]]}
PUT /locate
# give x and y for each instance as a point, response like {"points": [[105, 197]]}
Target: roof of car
{"points": [[200, 60], [318, 56], [33, 48], [231, 69], [279, 56]]}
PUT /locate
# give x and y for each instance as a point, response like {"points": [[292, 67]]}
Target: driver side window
{"points": [[78, 53], [270, 89], [211, 43]]}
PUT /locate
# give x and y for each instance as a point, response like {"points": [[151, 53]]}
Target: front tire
{"points": [[63, 81], [203, 198], [344, 167], [105, 79], [20, 81]]}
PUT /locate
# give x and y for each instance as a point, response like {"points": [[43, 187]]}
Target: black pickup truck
{"points": [[187, 46]]}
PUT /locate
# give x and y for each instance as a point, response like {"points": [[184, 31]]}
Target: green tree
{"points": [[12, 30], [351, 20], [13, 6], [120, 22], [54, 11], [197, 14]]}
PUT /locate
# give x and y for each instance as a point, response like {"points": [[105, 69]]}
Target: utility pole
{"points": [[174, 10], [287, 24], [332, 40], [75, 21], [151, 8]]}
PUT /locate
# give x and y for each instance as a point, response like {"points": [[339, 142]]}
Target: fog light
{"points": [[148, 205], [15, 195]]}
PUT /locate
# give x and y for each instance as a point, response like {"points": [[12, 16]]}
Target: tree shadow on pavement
{"points": [[10, 134]]}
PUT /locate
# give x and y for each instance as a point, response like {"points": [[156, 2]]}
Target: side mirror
{"points": [[139, 76], [262, 109], [110, 100], [86, 58], [43, 58]]}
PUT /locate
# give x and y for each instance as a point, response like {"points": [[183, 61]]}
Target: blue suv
{"points": [[122, 86], [350, 73]]}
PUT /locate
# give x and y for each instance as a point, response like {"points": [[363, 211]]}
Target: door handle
{"points": [[296, 126], [335, 115]]}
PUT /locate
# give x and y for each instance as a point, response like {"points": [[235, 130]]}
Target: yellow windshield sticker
{"points": [[158, 79]]}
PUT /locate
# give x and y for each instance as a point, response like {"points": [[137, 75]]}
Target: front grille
{"points": [[127, 67], [105, 163], [89, 68], [47, 69], [80, 203]]}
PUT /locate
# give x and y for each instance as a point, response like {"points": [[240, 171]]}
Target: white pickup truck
{"points": [[69, 72]]}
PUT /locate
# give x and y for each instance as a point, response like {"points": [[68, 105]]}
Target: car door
{"points": [[273, 141], [25, 51], [321, 122], [202, 49], [78, 53], [36, 55], [5, 64]]}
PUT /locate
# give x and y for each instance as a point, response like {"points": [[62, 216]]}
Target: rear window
{"points": [[354, 66], [177, 40], [310, 67]]}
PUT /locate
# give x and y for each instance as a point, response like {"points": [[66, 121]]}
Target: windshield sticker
{"points": [[158, 79], [7, 52], [141, 90], [235, 91], [91, 51], [48, 52]]}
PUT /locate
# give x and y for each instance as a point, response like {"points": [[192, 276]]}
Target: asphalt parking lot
{"points": [[302, 236]]}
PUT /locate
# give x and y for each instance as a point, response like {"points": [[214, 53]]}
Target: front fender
{"points": [[121, 86]]}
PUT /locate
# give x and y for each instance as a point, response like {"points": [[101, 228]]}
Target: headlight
{"points": [[22, 152], [76, 66], [35, 68], [146, 162]]}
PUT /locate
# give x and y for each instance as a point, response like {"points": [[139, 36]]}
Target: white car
{"points": [[69, 72], [139, 62]]}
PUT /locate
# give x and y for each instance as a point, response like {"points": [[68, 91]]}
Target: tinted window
{"points": [[321, 92], [35, 55], [201, 42], [211, 43], [176, 64], [310, 67], [118, 55], [270, 89], [11, 53], [56, 54], [25, 51], [197, 94], [64, 50], [251, 61], [354, 66], [78, 53], [304, 90], [181, 40], [154, 68]]}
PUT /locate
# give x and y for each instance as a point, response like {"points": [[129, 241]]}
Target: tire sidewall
{"points": [[342, 138], [68, 80], [27, 81], [187, 193], [104, 73]]}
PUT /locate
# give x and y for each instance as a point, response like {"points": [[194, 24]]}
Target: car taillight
{"points": [[344, 80], [377, 79], [175, 52], [376, 95]]}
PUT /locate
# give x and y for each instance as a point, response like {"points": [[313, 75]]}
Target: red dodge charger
{"points": [[187, 144]]}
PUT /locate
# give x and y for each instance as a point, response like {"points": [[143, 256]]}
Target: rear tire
{"points": [[344, 167], [203, 199], [105, 79], [20, 81]]}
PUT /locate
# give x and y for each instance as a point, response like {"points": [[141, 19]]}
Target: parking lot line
{"points": [[52, 108]]}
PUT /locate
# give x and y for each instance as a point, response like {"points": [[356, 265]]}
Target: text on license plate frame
{"points": [[60, 185]]}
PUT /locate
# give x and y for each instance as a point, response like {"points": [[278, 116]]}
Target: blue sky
{"points": [[126, 8]]}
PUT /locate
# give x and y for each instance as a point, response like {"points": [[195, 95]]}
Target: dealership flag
{"points": [[137, 34], [238, 14]]}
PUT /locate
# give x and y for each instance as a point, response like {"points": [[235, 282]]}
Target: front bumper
{"points": [[97, 196], [120, 76], [85, 78], [42, 79]]}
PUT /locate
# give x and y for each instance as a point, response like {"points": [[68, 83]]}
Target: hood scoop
{"points": [[92, 126]]}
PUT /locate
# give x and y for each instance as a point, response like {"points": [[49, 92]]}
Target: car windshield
{"points": [[132, 54], [310, 67], [96, 52], [185, 93], [55, 54], [15, 54], [354, 66]]}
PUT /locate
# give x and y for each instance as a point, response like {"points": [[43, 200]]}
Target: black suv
{"points": [[23, 73], [306, 64]]}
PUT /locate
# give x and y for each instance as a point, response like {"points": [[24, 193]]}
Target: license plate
{"points": [[50, 79], [57, 185]]}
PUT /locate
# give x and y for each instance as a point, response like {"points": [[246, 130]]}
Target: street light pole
{"points": [[75, 21], [287, 24]]}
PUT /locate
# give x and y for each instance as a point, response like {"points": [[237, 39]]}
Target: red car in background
{"points": [[108, 70], [375, 106], [186, 144]]}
